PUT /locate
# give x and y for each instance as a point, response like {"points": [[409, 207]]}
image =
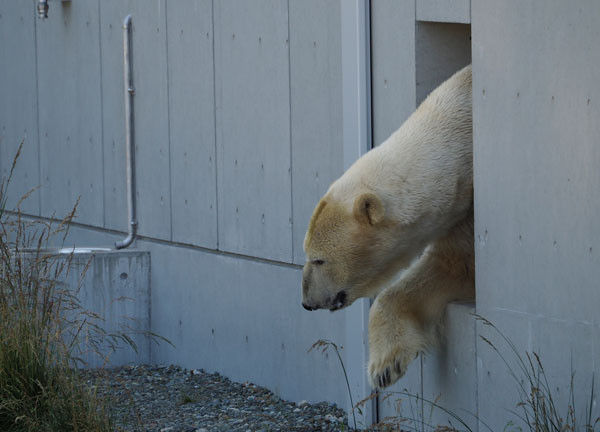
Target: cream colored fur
{"points": [[405, 205]]}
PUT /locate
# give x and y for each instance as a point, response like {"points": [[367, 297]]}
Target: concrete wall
{"points": [[238, 112], [536, 106], [239, 121], [535, 68]]}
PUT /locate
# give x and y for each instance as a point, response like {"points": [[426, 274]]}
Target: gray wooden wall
{"points": [[238, 122], [536, 102], [237, 116]]}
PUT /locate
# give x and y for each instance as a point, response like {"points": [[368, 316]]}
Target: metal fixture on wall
{"points": [[42, 8], [129, 135]]}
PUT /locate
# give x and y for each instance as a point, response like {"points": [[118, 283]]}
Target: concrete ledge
{"points": [[116, 286], [449, 11]]}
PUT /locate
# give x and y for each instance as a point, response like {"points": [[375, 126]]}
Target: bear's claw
{"points": [[385, 379], [398, 368], [383, 373]]}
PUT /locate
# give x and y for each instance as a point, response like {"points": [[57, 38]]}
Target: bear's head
{"points": [[393, 202], [351, 246]]}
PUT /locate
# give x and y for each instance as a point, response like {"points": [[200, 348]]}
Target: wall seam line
{"points": [[291, 222], [102, 117], [476, 371], [37, 115], [470, 15], [168, 122], [371, 131], [415, 27], [215, 123], [150, 345], [163, 242]]}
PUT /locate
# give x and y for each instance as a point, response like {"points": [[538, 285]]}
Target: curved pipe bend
{"points": [[126, 242]]}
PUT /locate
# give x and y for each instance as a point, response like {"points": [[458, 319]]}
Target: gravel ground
{"points": [[172, 399]]}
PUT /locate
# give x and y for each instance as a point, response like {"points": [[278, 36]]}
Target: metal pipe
{"points": [[129, 135], [42, 8]]}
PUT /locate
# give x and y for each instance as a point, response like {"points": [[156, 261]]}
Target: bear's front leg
{"points": [[395, 339], [406, 318]]}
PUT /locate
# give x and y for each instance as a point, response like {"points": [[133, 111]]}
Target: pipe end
{"points": [[42, 10], [127, 22]]}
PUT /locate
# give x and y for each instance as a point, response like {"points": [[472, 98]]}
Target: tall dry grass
{"points": [[41, 324], [536, 410]]}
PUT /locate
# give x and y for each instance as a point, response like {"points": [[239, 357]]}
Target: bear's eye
{"points": [[318, 262]]}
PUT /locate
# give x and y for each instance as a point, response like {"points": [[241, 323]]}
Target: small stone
{"points": [[167, 429], [330, 418], [302, 402], [297, 410]]}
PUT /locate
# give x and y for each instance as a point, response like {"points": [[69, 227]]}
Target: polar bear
{"points": [[398, 226]]}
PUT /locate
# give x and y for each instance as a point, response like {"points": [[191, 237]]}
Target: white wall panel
{"points": [[536, 161], [392, 65], [70, 115], [316, 107], [192, 122], [18, 102], [253, 128]]}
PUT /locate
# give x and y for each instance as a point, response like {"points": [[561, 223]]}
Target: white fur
{"points": [[423, 170], [419, 188]]}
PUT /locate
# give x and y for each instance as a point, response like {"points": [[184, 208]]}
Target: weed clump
{"points": [[40, 322], [537, 409]]}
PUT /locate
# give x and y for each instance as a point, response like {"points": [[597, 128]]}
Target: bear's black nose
{"points": [[308, 308]]}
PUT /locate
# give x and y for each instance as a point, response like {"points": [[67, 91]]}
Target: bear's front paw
{"points": [[395, 339], [387, 368]]}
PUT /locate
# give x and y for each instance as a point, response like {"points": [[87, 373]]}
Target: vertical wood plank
{"points": [[18, 102], [253, 128], [393, 65], [316, 107], [69, 108], [192, 122], [113, 115]]}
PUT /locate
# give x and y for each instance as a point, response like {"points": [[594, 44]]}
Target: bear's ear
{"points": [[368, 209]]}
